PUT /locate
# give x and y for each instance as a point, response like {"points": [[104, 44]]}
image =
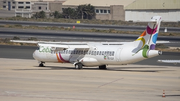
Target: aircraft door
{"points": [[117, 55]]}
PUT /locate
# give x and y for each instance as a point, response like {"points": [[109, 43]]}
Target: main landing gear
{"points": [[78, 66], [102, 67], [41, 64]]}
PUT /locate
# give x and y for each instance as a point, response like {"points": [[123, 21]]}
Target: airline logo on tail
{"points": [[148, 38]]}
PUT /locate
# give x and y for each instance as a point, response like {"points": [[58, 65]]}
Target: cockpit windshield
{"points": [[37, 48]]}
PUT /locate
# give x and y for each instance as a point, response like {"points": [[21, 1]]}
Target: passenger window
{"points": [[113, 53], [102, 52], [37, 48], [97, 52], [94, 52], [105, 53]]}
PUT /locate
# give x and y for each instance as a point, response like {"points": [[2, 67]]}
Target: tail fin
{"points": [[147, 40]]}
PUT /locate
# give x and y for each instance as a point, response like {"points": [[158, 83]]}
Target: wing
{"points": [[57, 46], [60, 47]]}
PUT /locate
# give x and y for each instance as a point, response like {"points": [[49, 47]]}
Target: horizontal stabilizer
{"points": [[163, 42]]}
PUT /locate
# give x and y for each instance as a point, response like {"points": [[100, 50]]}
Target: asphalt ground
{"points": [[22, 80], [25, 52]]}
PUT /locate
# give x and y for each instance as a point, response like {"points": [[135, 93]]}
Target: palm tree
{"points": [[42, 14], [68, 12], [86, 11], [56, 14], [89, 10], [80, 10]]}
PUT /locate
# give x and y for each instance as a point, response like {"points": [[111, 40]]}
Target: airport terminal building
{"points": [[125, 10], [27, 8]]}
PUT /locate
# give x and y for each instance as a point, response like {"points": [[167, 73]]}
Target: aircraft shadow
{"points": [[125, 69]]}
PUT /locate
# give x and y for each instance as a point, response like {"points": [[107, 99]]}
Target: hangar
{"points": [[141, 10]]}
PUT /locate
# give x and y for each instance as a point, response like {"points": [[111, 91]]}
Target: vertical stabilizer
{"points": [[147, 40]]}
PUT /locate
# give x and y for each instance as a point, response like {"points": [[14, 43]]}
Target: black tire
{"points": [[103, 67], [78, 66], [41, 65]]}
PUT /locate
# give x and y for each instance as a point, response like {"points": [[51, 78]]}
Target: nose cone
{"points": [[35, 55]]}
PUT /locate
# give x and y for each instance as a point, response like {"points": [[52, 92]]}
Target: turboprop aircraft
{"points": [[100, 53]]}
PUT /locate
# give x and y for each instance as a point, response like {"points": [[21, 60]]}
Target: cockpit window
{"points": [[37, 48]]}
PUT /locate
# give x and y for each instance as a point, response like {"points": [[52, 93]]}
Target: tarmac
{"points": [[22, 80]]}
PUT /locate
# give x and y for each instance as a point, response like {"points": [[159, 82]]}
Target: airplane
{"points": [[100, 53], [170, 61]]}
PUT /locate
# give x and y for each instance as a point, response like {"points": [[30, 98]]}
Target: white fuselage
{"points": [[98, 53]]}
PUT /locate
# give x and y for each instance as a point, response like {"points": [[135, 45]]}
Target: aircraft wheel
{"points": [[78, 66], [102, 67], [41, 64]]}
